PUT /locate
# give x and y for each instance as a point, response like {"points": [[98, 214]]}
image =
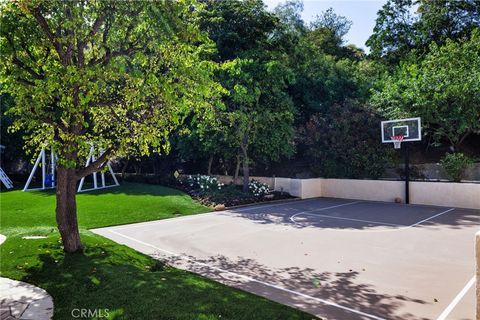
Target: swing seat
{"points": [[49, 182]]}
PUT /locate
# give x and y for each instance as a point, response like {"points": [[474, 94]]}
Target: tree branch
{"points": [[96, 26], [96, 165], [46, 29], [25, 81], [22, 65], [118, 53]]}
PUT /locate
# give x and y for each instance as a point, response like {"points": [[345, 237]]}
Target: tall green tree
{"points": [[120, 74], [443, 88], [239, 28], [406, 25], [258, 115], [343, 143]]}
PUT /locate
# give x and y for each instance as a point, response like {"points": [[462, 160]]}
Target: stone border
{"points": [[24, 301], [21, 300]]}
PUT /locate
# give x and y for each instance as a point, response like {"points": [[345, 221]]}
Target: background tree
{"points": [[239, 28], [290, 27], [324, 69], [258, 115], [406, 25], [12, 142], [343, 143], [119, 74], [394, 34], [207, 137], [443, 88]]}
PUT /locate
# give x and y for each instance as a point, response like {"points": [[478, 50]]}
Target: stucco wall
{"points": [[312, 188], [477, 251], [449, 194], [375, 190]]}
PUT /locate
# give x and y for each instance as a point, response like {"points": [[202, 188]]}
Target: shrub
{"points": [[258, 189], [164, 179], [455, 165], [203, 183], [343, 143]]}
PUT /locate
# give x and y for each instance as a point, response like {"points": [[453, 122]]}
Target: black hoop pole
{"points": [[407, 174]]}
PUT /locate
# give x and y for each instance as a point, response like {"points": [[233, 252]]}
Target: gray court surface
{"points": [[335, 258]]}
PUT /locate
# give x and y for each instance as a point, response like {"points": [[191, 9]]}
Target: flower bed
{"points": [[210, 192]]}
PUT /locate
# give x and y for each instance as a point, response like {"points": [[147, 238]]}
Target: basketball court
{"points": [[335, 258]]}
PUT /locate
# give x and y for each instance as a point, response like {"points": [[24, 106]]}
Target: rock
{"points": [[219, 207]]}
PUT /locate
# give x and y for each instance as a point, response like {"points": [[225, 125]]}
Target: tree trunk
{"points": [[225, 167], [66, 211], [237, 170], [245, 171], [210, 162], [124, 169]]}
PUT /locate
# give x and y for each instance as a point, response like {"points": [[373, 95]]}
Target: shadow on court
{"points": [[293, 253], [360, 215], [341, 288]]}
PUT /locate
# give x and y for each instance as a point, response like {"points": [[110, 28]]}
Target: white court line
{"points": [[147, 223], [434, 216], [456, 300], [269, 206], [194, 216], [350, 219], [250, 279], [292, 218]]}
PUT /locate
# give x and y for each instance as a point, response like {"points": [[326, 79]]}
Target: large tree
{"points": [[258, 115], [443, 88], [406, 25], [119, 74]]}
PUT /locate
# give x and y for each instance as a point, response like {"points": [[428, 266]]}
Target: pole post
{"points": [[30, 177], [407, 174], [95, 186], [43, 168], [52, 163], [477, 254]]}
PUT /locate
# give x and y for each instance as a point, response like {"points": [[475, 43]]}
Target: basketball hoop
{"points": [[397, 141]]}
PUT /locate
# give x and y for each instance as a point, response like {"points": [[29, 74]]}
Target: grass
{"points": [[112, 276]]}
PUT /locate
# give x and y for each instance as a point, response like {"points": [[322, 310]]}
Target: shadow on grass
{"points": [[133, 286]]}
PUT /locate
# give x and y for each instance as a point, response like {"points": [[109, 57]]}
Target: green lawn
{"points": [[111, 276]]}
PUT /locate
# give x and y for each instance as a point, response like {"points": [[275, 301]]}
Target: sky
{"points": [[361, 12]]}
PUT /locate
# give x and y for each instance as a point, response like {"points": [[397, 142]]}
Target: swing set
{"points": [[47, 159]]}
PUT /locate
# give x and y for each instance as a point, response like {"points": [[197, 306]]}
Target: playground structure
{"points": [[3, 176], [47, 159], [5, 179], [96, 186], [48, 178]]}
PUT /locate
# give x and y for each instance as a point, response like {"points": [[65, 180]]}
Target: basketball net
{"points": [[397, 141]]}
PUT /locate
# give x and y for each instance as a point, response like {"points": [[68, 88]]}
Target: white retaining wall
{"points": [[448, 194], [477, 253]]}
